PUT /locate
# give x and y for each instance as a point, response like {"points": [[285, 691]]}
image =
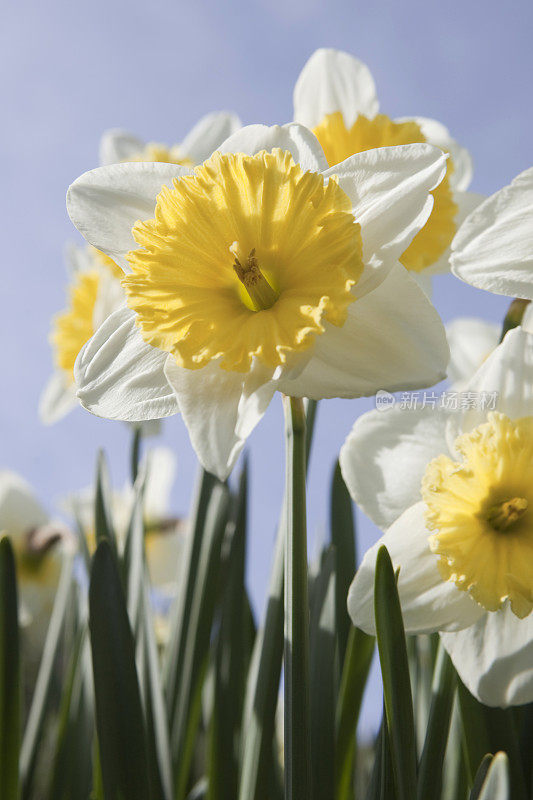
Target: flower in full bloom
{"points": [[260, 270], [39, 544], [94, 293], [335, 96], [493, 249], [454, 493], [202, 140]]}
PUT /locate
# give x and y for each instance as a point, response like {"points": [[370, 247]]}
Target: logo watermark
{"points": [[447, 401]]}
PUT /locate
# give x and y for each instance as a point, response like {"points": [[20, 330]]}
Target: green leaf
{"points": [[43, 687], [103, 514], [381, 785], [497, 784], [230, 660], [481, 774], [175, 651], [133, 562], [10, 684], [64, 783], [262, 688], [395, 673], [456, 784], [488, 730], [323, 678], [119, 716], [359, 653], [159, 761], [432, 760], [343, 538], [197, 641]]}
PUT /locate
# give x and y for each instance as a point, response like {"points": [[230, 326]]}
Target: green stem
{"points": [[135, 451], [297, 728], [514, 315]]}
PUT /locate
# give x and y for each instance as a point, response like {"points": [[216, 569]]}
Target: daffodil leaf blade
{"points": [[232, 655], [10, 681], [356, 669], [197, 641], [390, 636], [40, 702], [343, 537], [68, 778], [262, 688], [119, 715], [175, 650], [159, 759], [497, 783], [323, 682], [438, 726], [103, 515]]}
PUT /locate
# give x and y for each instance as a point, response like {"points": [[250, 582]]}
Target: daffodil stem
{"points": [[297, 727], [514, 315], [135, 451]]}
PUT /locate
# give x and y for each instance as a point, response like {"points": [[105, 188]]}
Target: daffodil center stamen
{"points": [[504, 515], [261, 292]]}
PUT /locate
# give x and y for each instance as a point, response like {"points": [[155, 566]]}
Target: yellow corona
{"points": [[480, 510], [247, 258], [340, 142]]}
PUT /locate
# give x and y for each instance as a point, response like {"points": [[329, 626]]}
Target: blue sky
{"points": [[71, 70]]}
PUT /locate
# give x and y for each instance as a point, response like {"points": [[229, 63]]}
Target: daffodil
{"points": [[203, 139], [471, 341], [454, 493], [493, 249], [260, 270], [39, 544], [94, 292], [335, 96]]}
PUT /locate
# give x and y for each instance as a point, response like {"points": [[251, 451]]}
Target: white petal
{"points": [[20, 511], [334, 81], [389, 189], [119, 376], [105, 203], [220, 409], [494, 658], [428, 603], [438, 134], [293, 138], [393, 339], [493, 250], [506, 376], [58, 398], [117, 145], [385, 457], [471, 341], [208, 133]]}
